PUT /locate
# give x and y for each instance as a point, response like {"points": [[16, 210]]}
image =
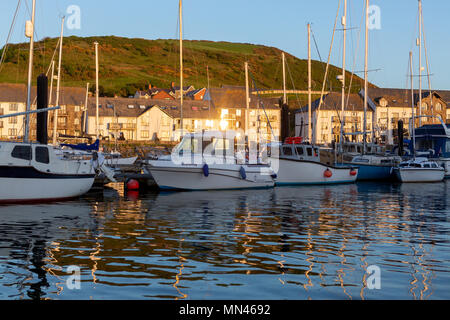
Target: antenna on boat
{"points": [[413, 124], [310, 135], [419, 43], [97, 133], [58, 82], [181, 66], [29, 32], [366, 85], [247, 99], [344, 25]]}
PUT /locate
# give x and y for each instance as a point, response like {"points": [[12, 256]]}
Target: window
{"points": [[287, 151], [12, 120], [12, 132], [21, 152], [77, 108], [63, 109], [42, 155], [61, 120], [424, 106], [300, 151], [77, 121], [144, 134], [438, 106], [309, 152], [238, 112], [14, 107]]}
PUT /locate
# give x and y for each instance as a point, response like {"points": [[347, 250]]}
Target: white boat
{"points": [[419, 170], [202, 171], [115, 159], [35, 173], [299, 164]]}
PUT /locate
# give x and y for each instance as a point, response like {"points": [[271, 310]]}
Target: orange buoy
{"points": [[328, 173], [353, 172], [132, 184]]}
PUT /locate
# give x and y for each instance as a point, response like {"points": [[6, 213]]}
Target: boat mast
{"points": [[50, 98], [97, 133], [283, 56], [310, 135], [413, 124], [344, 25], [181, 66], [247, 99], [366, 86], [29, 34], [419, 40], [83, 126], [58, 83]]}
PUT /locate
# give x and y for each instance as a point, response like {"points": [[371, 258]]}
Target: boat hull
{"points": [[193, 177], [30, 190], [299, 172], [419, 174], [374, 172]]}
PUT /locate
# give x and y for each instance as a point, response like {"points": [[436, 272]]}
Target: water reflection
{"points": [[283, 243]]}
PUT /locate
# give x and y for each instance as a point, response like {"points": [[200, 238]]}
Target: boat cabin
{"points": [[433, 141], [419, 163], [300, 152]]}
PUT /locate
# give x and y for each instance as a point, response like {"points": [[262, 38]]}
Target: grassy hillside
{"points": [[130, 64]]}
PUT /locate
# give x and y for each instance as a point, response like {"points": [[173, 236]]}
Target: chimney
{"points": [[173, 85], [150, 86]]}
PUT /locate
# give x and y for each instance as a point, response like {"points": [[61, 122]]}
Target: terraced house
{"points": [[13, 100], [388, 106], [160, 120]]}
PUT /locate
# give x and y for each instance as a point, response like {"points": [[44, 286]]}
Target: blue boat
{"points": [[433, 142]]}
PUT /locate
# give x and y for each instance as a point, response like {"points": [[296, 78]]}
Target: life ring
{"points": [[328, 173]]}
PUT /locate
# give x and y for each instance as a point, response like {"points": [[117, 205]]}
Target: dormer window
{"points": [[130, 106]]}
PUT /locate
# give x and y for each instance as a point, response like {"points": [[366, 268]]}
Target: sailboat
{"points": [[197, 169], [299, 163], [34, 172], [372, 165], [418, 169]]}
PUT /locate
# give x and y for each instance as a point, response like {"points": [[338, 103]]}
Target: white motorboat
{"points": [[203, 171], [419, 170], [35, 172], [299, 164]]}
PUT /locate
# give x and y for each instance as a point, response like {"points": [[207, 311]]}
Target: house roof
{"points": [[121, 106], [333, 102], [235, 98], [402, 97], [11, 92]]}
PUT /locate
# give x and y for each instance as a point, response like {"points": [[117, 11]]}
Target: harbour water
{"points": [[285, 243]]}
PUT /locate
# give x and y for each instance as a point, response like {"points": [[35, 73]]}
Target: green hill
{"points": [[130, 64]]}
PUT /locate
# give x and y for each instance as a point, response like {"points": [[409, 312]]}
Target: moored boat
{"points": [[299, 164], [419, 170], [35, 173], [219, 170]]}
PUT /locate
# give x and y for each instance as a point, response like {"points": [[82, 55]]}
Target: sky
{"points": [[281, 24]]}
